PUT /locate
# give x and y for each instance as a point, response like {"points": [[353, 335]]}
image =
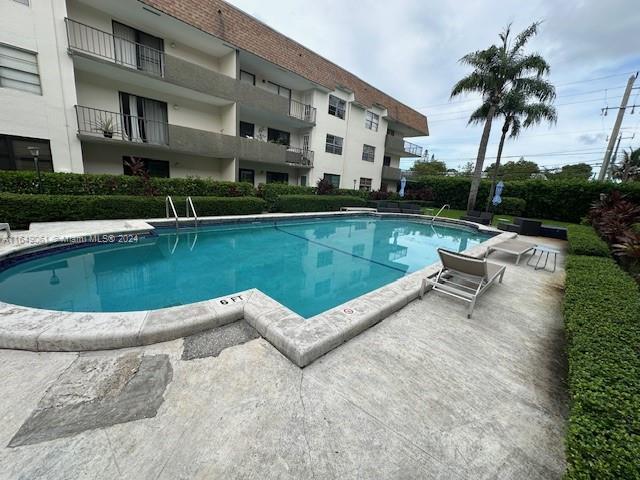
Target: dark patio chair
{"points": [[477, 216]]}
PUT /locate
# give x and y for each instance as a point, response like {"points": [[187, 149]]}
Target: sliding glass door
{"points": [[136, 49], [144, 120]]}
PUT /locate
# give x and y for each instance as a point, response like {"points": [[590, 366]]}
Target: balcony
{"points": [[391, 173], [399, 146], [274, 153], [299, 157], [302, 111]]}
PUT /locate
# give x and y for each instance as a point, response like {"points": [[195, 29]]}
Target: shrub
{"points": [[602, 317], [324, 187], [20, 210], [583, 240], [511, 206], [270, 192], [89, 184], [316, 203]]}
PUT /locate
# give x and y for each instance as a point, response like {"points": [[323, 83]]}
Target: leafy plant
{"points": [[324, 187]]}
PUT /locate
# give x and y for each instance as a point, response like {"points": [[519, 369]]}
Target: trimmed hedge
{"points": [[602, 316], [316, 203], [270, 192], [583, 240], [20, 210], [89, 184], [567, 200], [511, 206]]}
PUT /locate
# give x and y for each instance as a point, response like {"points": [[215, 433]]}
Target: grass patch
{"points": [[497, 218]]}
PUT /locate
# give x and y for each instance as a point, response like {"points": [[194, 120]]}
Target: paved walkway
{"points": [[427, 393]]}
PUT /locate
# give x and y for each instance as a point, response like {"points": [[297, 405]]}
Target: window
{"points": [[247, 175], [278, 136], [337, 106], [325, 258], [144, 120], [365, 184], [368, 153], [279, 89], [277, 177], [247, 129], [303, 180], [15, 154], [386, 161], [155, 168], [19, 69], [333, 179], [137, 49], [247, 77], [391, 132], [371, 121], [334, 144]]}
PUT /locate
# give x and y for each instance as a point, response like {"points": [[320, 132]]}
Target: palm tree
{"points": [[496, 71], [629, 169], [519, 114]]}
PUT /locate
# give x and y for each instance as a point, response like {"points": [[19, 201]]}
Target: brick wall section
{"points": [[226, 22]]}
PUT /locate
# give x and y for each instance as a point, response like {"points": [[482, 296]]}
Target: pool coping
{"points": [[300, 340]]}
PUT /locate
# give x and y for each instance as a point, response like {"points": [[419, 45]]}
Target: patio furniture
{"points": [[542, 249], [522, 226], [464, 277], [512, 247], [410, 208], [389, 207], [5, 227], [477, 216], [552, 231]]}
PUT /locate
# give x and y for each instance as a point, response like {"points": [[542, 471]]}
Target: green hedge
{"points": [[270, 192], [20, 210], [583, 240], [602, 315], [316, 203], [556, 200], [511, 206], [89, 184]]}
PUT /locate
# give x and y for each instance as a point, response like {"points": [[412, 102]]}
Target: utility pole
{"points": [[616, 127]]}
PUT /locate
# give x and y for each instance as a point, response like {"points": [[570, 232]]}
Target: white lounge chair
{"points": [[512, 247], [464, 277]]}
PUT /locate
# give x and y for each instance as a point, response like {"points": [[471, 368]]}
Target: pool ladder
{"points": [[170, 210], [446, 205]]}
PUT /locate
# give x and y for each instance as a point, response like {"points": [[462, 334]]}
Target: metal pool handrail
{"points": [[193, 209], [168, 202], [446, 205]]}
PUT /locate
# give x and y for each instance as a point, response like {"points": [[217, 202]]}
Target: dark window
{"points": [[247, 175], [333, 145], [337, 106], [15, 154], [386, 161], [278, 89], [365, 184], [278, 136], [156, 168], [247, 129], [277, 177], [303, 180], [137, 49], [368, 153], [325, 258], [390, 132], [333, 179], [247, 77], [371, 121]]}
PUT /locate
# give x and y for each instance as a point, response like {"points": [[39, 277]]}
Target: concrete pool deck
{"points": [[426, 393]]}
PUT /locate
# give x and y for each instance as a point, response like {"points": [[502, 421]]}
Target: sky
{"points": [[410, 50]]}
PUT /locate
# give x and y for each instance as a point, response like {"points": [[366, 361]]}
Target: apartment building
{"points": [[189, 88]]}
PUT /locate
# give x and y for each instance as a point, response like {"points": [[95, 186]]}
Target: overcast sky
{"points": [[410, 49]]}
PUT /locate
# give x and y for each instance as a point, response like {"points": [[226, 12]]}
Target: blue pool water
{"points": [[309, 266]]}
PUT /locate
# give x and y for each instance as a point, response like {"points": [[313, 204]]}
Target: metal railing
{"points": [[119, 126], [299, 157], [191, 208], [302, 111], [110, 47], [412, 148], [446, 205], [171, 208]]}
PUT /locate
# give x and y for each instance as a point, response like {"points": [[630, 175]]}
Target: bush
{"points": [[89, 184], [20, 210], [583, 240], [270, 192], [316, 203], [602, 317], [511, 206]]}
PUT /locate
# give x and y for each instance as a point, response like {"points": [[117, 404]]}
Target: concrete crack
{"points": [[304, 425]]}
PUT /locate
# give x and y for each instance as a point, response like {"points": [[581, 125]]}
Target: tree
{"points": [[467, 169], [496, 70], [578, 171], [520, 170], [429, 167], [629, 168]]}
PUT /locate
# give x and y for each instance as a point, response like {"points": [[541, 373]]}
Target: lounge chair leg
{"points": [[423, 288], [502, 275], [517, 259], [473, 304]]}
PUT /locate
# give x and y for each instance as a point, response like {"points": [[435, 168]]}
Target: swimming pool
{"points": [[307, 265]]}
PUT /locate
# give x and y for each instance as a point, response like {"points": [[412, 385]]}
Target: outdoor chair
{"points": [[410, 208], [512, 247], [463, 277], [522, 226], [477, 216]]}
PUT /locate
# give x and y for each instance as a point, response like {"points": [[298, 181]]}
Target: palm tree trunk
{"points": [[494, 177], [482, 151]]}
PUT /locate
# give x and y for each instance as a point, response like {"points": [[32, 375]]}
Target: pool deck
{"points": [[425, 393]]}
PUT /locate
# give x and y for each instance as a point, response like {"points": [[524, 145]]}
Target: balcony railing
{"points": [[299, 157], [302, 111], [116, 49], [119, 126], [412, 148]]}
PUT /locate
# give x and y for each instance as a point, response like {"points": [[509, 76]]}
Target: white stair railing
{"points": [[446, 205], [170, 207], [191, 208]]}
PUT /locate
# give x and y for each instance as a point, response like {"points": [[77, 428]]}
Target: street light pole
{"points": [[35, 153]]}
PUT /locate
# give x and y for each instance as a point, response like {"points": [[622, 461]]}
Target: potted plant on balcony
{"points": [[105, 125]]}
